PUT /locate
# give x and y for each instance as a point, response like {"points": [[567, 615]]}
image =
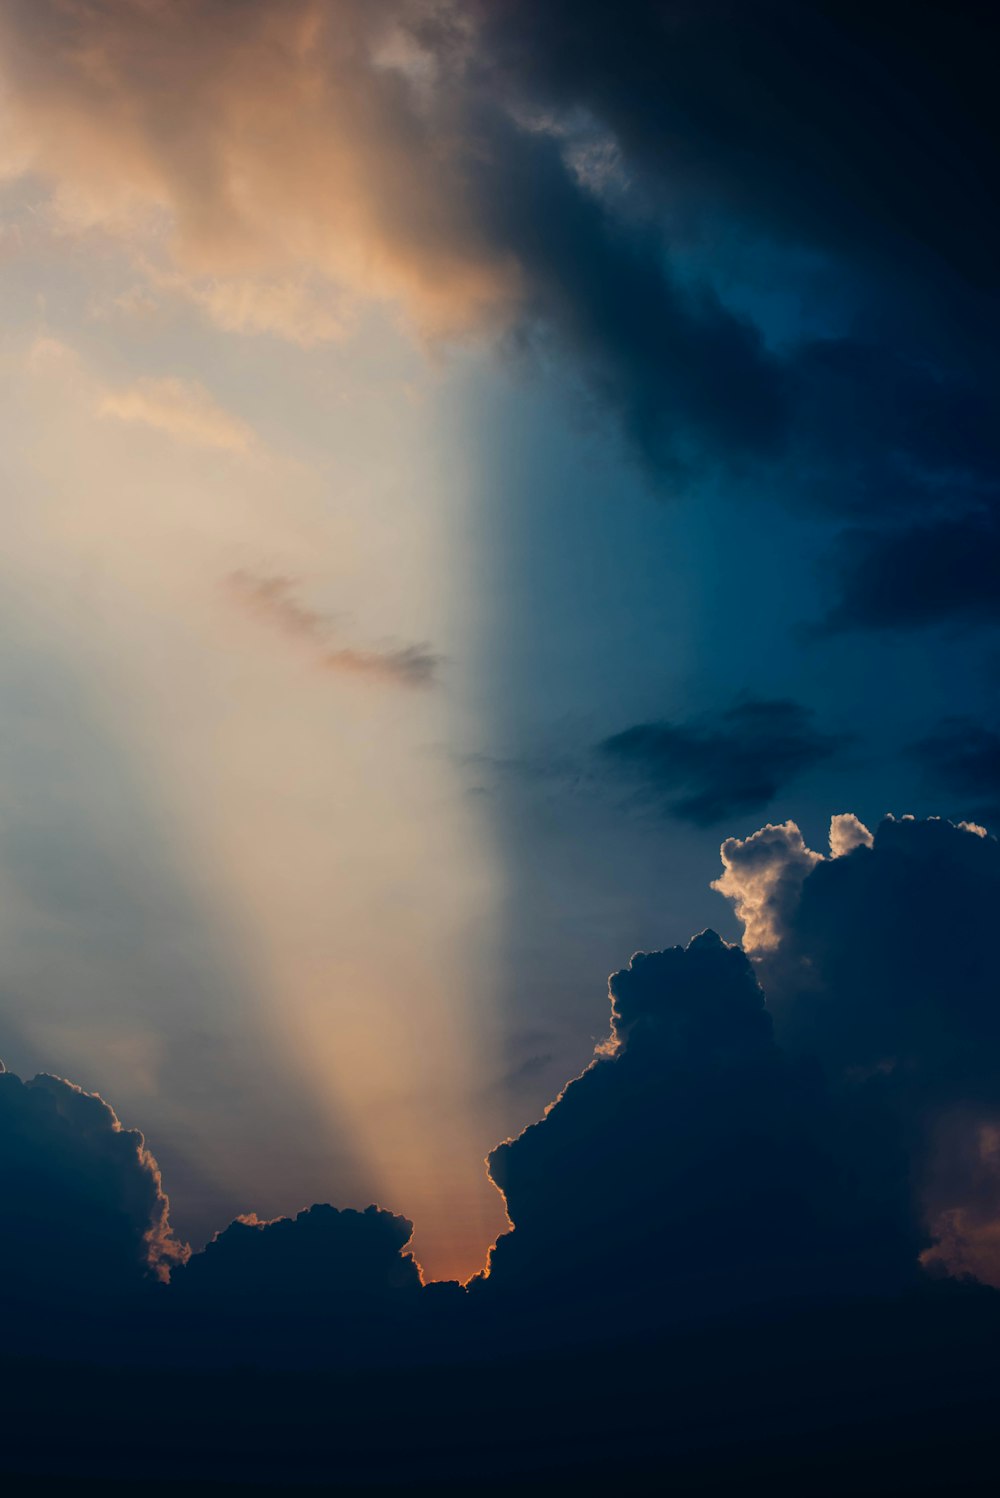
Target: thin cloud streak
{"points": [[183, 409], [272, 601]]}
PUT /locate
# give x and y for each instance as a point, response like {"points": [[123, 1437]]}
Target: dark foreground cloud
{"points": [[693, 1165], [82, 1212], [324, 1285], [721, 765], [750, 1216], [881, 962]]}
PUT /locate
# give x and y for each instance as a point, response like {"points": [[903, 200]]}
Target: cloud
{"points": [[847, 832], [181, 408], [272, 600], [311, 162], [879, 217], [83, 1215], [321, 1253], [881, 962], [917, 576], [720, 1151], [715, 767], [962, 757], [434, 194], [694, 1165], [762, 876], [314, 1280], [596, 190]]}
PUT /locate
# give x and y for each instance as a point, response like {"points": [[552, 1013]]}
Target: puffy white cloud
{"points": [[848, 832], [762, 876]]}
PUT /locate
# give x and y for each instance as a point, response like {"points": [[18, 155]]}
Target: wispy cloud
{"points": [[735, 761], [183, 409], [272, 600]]}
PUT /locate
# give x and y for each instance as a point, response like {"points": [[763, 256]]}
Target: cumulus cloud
{"points": [[182, 408], [273, 601], [719, 1150], [324, 1286], [846, 833], [82, 1209], [881, 962], [722, 764], [693, 1164], [763, 876], [322, 1255]]}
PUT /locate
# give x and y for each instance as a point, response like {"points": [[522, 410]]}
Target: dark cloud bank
{"points": [[851, 149], [756, 1238], [629, 187]]}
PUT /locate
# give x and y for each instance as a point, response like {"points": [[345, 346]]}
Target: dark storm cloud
{"points": [[722, 764], [870, 141], [962, 758], [831, 123], [688, 379], [83, 1216]]}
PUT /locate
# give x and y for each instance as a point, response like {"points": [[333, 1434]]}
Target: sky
{"points": [[464, 463]]}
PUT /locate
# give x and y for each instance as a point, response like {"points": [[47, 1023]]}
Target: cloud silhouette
{"points": [[722, 764], [881, 962], [317, 1256], [694, 1165], [323, 1285], [83, 1216]]}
